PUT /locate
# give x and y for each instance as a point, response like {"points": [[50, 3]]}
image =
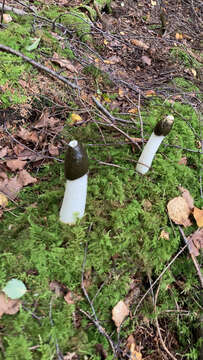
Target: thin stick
{"points": [[140, 117], [58, 352], [196, 264], [38, 65], [159, 277], [93, 318], [115, 127], [2, 11], [158, 328]]}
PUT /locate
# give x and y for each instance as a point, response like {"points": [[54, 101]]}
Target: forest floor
{"points": [[121, 283]]}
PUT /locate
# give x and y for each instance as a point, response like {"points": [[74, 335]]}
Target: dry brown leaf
{"points": [[58, 288], [28, 135], [16, 164], [4, 152], [198, 215], [87, 279], [18, 148], [53, 150], [112, 60], [7, 18], [133, 349], [183, 161], [45, 120], [25, 178], [164, 235], [149, 93], [69, 298], [179, 211], [11, 187], [196, 242], [147, 205], [8, 306], [119, 313], [64, 63], [187, 196], [139, 44], [3, 200], [146, 60], [133, 111]]}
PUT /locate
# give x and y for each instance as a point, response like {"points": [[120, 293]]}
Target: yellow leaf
{"points": [[3, 200], [106, 98], [194, 72], [198, 215], [150, 93], [153, 2], [120, 92], [179, 36], [96, 60], [133, 111], [105, 42], [75, 118]]}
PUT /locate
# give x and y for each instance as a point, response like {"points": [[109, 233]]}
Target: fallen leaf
{"points": [[45, 120], [3, 152], [3, 200], [112, 60], [18, 149], [58, 288], [100, 351], [133, 111], [69, 298], [25, 178], [70, 356], [16, 164], [8, 306], [11, 187], [194, 72], [119, 313], [179, 211], [179, 36], [74, 119], [14, 289], [187, 196], [164, 235], [195, 242], [146, 60], [120, 92], [64, 63], [147, 205], [53, 150], [139, 44], [7, 18], [133, 349], [150, 93], [28, 135], [183, 161], [198, 215]]}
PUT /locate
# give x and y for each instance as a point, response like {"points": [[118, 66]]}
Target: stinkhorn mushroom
{"points": [[76, 173], [161, 129]]}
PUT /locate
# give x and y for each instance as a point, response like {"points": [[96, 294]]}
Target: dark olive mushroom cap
{"points": [[164, 126], [76, 161]]}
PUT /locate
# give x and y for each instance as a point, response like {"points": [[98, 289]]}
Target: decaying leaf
{"points": [[64, 63], [69, 297], [4, 152], [3, 200], [53, 150], [11, 187], [8, 306], [16, 164], [187, 196], [119, 313], [45, 120], [74, 119], [164, 235], [58, 288], [28, 135], [25, 178], [198, 215], [139, 44], [7, 18], [112, 60], [146, 60], [195, 241], [134, 350], [183, 161], [179, 211]]}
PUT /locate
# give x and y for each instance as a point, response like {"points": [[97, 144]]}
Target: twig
{"points": [[140, 117], [159, 277], [115, 127], [94, 318], [12, 9], [38, 65], [58, 352], [196, 264], [2, 10], [158, 327]]}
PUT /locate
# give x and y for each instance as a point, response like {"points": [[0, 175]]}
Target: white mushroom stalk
{"points": [[76, 173], [161, 129]]}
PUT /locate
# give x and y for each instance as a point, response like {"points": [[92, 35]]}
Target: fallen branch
{"points": [[39, 66], [12, 9]]}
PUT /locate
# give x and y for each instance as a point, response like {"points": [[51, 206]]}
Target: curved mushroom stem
{"points": [[161, 129], [148, 153], [73, 206]]}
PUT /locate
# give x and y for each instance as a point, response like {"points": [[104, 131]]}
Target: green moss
{"points": [[123, 240]]}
